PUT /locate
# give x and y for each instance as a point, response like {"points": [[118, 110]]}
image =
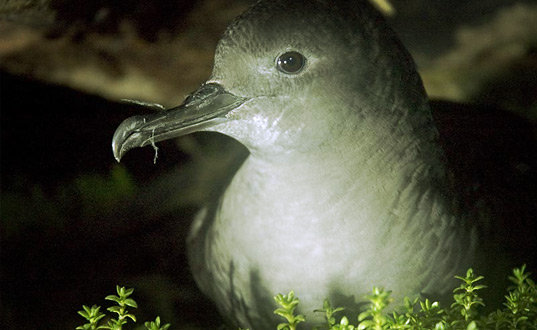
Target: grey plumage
{"points": [[346, 185]]}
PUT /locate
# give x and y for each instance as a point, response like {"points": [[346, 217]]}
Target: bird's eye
{"points": [[290, 62]]}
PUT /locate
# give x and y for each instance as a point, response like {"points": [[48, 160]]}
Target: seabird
{"points": [[347, 185]]}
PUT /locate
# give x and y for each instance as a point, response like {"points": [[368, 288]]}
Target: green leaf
{"points": [[113, 298], [282, 326], [114, 309], [471, 326], [128, 292], [131, 303], [440, 326], [84, 314], [281, 312], [156, 325]]}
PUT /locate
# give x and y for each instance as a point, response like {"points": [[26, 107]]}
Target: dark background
{"points": [[74, 223]]}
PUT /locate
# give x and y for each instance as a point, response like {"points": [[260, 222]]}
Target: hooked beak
{"points": [[204, 108]]}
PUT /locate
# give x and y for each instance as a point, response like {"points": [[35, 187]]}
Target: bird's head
{"points": [[290, 76]]}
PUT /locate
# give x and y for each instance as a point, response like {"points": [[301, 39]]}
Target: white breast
{"points": [[273, 234]]}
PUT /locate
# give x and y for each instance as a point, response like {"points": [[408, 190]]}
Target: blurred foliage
{"points": [[89, 195]]}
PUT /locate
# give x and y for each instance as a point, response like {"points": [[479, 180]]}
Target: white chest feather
{"points": [[271, 234]]}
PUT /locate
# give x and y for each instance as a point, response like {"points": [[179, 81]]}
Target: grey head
{"points": [[289, 75], [343, 156]]}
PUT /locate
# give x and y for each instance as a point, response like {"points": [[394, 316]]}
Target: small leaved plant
{"points": [[288, 304], [93, 314], [520, 310]]}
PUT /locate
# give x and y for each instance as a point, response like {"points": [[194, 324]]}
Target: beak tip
{"points": [[116, 146], [116, 153], [122, 135]]}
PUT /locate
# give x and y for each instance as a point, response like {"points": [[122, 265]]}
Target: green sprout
{"points": [[288, 304], [329, 312], [93, 314], [467, 300], [374, 317], [521, 303], [123, 301], [156, 325]]}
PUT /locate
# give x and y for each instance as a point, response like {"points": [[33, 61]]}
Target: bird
{"points": [[351, 180]]}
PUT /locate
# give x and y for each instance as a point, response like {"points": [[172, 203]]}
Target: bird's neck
{"points": [[376, 175], [381, 176], [375, 165]]}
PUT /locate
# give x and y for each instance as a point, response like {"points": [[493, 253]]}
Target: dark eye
{"points": [[290, 62]]}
